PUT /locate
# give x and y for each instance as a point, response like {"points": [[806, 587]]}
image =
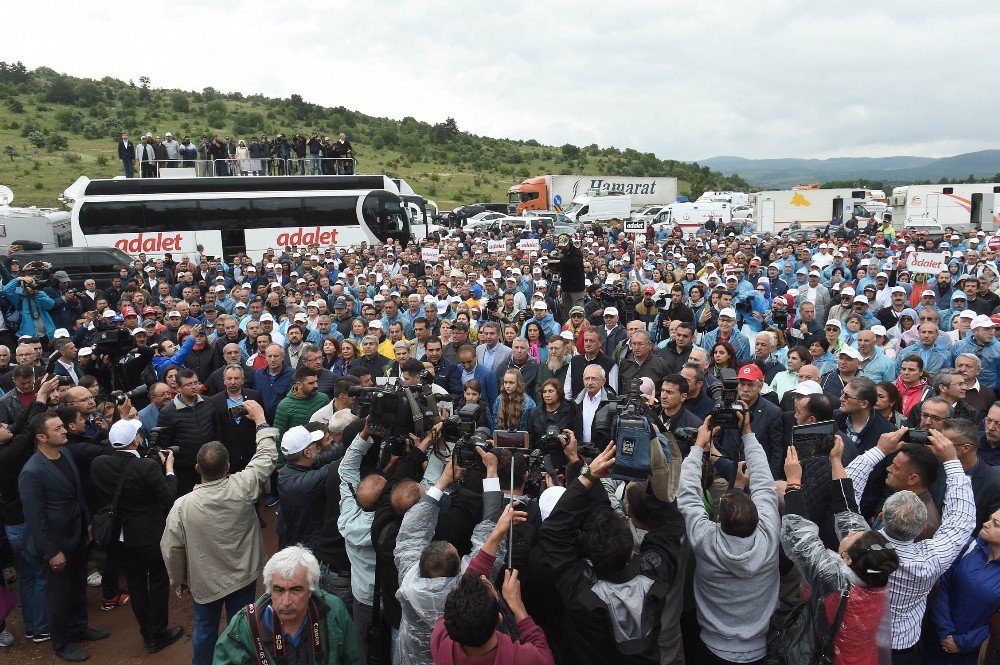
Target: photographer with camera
{"points": [[147, 491], [555, 413], [212, 544], [736, 578], [568, 263], [67, 308], [33, 305]]}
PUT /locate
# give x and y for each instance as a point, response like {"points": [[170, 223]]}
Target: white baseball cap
{"points": [[122, 433], [835, 322], [850, 352], [610, 311], [727, 311], [982, 321], [878, 330], [298, 439], [847, 291], [806, 388], [266, 316]]}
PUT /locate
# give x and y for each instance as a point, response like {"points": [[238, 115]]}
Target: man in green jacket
{"points": [[303, 400], [294, 621]]}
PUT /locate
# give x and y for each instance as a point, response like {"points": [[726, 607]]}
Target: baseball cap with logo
{"points": [[806, 388], [850, 352], [750, 373], [983, 321], [727, 311], [123, 432]]}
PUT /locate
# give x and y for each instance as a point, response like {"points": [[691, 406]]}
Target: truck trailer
{"points": [[775, 209], [557, 192], [963, 206]]}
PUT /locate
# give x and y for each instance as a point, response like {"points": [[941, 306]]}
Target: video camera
{"points": [[727, 405], [396, 410], [632, 434]]}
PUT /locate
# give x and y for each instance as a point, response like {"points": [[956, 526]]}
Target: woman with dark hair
{"points": [[537, 342], [723, 356], [819, 351], [331, 351], [554, 410], [348, 355], [912, 383], [890, 403], [850, 582]]}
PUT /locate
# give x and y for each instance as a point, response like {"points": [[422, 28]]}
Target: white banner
{"points": [[635, 226], [429, 254], [926, 262], [529, 245], [496, 246]]}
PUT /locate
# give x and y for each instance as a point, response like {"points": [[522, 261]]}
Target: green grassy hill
{"points": [[54, 128]]}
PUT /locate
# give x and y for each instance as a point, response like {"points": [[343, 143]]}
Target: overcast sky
{"points": [[686, 79]]}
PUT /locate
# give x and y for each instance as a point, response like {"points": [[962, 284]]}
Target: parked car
{"points": [[81, 263]]}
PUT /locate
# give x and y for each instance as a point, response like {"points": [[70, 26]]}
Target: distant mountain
{"points": [[901, 170]]}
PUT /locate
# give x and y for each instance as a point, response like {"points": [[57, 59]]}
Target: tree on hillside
{"points": [[144, 88], [443, 132]]}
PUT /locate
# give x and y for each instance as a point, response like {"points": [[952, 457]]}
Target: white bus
{"points": [[232, 215]]}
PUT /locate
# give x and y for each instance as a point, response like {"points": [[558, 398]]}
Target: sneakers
{"points": [[38, 637], [95, 579], [6, 639], [271, 501], [118, 601]]}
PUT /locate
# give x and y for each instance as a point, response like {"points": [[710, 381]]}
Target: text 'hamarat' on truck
{"points": [[811, 206], [557, 192]]}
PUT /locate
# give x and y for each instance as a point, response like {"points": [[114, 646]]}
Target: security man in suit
{"points": [[148, 491], [58, 520]]}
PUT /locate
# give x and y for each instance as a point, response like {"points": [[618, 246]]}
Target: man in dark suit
{"points": [[55, 511], [468, 369], [146, 497], [766, 421], [236, 434], [66, 364], [446, 374], [985, 478], [126, 153]]}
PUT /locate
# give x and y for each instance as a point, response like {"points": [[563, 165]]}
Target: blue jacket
{"points": [[44, 304], [934, 358], [548, 324], [529, 404], [989, 358], [740, 343], [970, 591], [161, 363], [880, 368], [273, 388]]}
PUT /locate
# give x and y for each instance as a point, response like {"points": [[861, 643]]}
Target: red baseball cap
{"points": [[995, 319], [750, 373], [128, 311], [148, 310], [649, 289]]}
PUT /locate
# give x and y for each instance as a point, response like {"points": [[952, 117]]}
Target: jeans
{"points": [[31, 585], [314, 165], [206, 621], [337, 584], [129, 168], [362, 615]]}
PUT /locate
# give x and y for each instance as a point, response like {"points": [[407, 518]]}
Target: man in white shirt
{"points": [[590, 399]]}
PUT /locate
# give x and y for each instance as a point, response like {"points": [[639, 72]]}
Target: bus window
{"points": [[329, 211], [225, 214], [116, 217], [277, 213], [169, 216], [385, 217]]}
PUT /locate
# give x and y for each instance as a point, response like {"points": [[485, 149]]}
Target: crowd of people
{"points": [[193, 394], [225, 156]]}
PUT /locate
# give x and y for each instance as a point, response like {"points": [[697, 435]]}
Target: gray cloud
{"points": [[683, 79]]}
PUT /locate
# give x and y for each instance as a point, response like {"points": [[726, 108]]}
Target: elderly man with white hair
{"points": [[903, 517], [294, 621]]}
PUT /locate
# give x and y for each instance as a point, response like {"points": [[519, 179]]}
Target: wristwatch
{"points": [[585, 473]]}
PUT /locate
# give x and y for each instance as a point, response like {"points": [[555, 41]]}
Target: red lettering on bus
{"points": [[154, 244], [301, 236]]}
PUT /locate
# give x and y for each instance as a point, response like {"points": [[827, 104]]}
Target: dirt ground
{"points": [[124, 647]]}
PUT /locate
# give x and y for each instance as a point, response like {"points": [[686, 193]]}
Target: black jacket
{"points": [[190, 427], [564, 418], [203, 362], [874, 492], [675, 359], [571, 270], [586, 613], [239, 438], [13, 456], [146, 498]]}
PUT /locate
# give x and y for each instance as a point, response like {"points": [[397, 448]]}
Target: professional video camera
{"points": [[533, 485], [119, 396], [465, 453], [461, 425], [727, 405], [632, 434], [396, 410]]}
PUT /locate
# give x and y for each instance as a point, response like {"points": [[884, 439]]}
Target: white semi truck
{"points": [[558, 192]]}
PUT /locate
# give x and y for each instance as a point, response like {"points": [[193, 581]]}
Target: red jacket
{"points": [[913, 396], [857, 640], [531, 650]]}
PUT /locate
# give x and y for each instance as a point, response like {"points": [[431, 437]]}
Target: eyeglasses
{"points": [[931, 416], [844, 396]]}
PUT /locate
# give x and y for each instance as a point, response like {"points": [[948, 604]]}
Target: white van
{"points": [[594, 207]]}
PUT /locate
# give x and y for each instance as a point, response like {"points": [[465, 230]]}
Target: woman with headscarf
{"points": [[904, 333]]}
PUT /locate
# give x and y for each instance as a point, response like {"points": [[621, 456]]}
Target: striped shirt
{"points": [[922, 563]]}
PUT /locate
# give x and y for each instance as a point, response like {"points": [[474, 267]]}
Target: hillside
{"points": [[903, 170], [54, 127]]}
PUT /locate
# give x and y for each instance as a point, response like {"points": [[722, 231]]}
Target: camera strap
{"points": [[418, 413], [278, 636]]}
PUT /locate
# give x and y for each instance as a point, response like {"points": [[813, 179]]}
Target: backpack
{"points": [[795, 640]]}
